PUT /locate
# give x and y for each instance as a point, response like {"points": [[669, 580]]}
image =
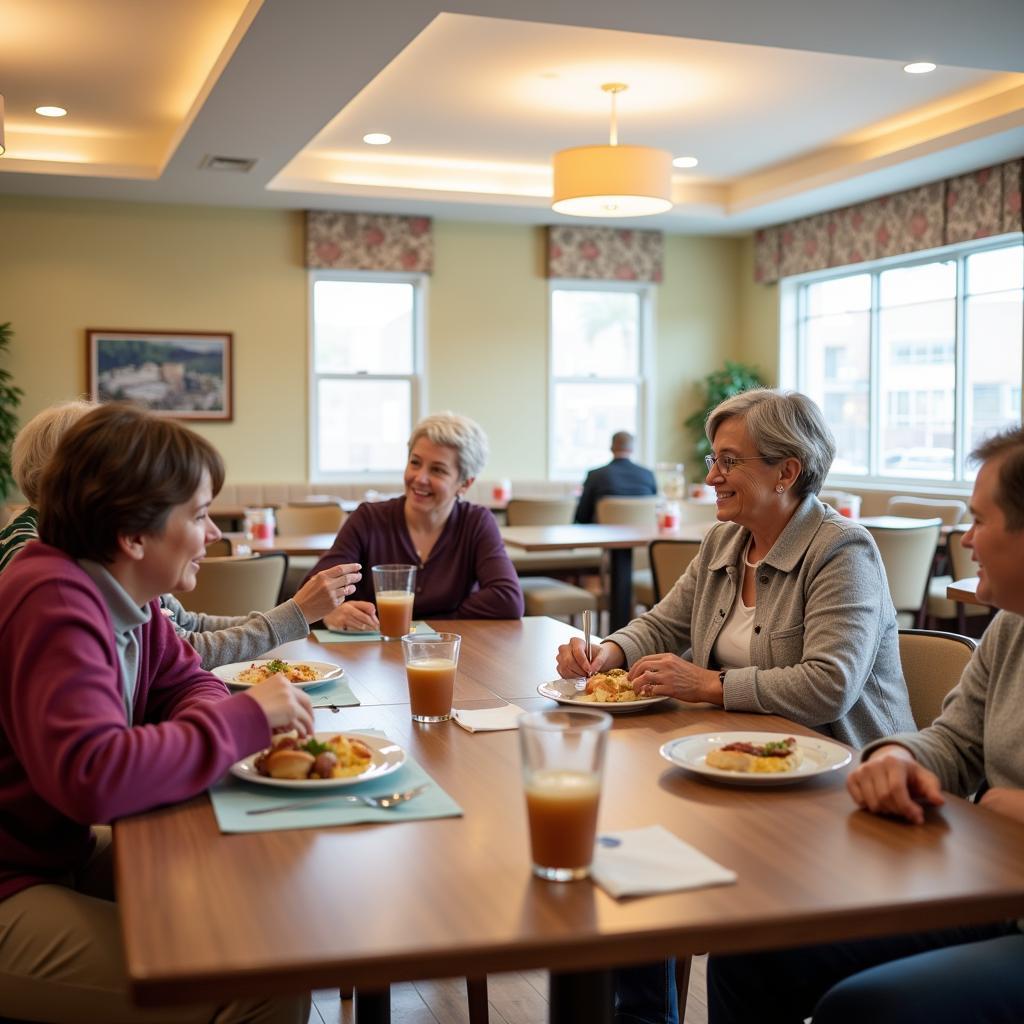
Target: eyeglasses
{"points": [[727, 463]]}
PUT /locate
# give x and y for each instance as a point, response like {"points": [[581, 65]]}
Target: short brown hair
{"points": [[1010, 491], [37, 441], [120, 470]]}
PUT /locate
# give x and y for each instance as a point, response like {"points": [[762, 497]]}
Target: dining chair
{"points": [[639, 511], [218, 548], [932, 665], [299, 517], [546, 595], [961, 566], [669, 559], [950, 511], [237, 586], [907, 555]]}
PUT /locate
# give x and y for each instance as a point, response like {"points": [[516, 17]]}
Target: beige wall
{"points": [[66, 265], [759, 317]]}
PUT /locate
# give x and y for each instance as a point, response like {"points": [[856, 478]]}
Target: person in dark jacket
{"points": [[620, 478]]}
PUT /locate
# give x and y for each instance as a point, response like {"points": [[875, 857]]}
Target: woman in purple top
{"points": [[463, 571], [105, 712]]}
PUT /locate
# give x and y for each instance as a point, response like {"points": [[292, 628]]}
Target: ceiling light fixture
{"points": [[51, 111], [377, 139], [612, 180], [1, 125], [921, 67], [685, 161]]}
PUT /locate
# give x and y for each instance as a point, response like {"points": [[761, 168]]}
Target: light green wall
{"points": [[67, 265]]}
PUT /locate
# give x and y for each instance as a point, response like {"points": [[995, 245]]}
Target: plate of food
{"points": [[304, 674], [755, 758], [325, 760], [608, 691]]}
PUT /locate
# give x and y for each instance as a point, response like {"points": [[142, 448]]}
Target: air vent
{"points": [[238, 164]]}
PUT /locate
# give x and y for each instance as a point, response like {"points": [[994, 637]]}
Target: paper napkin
{"points": [[640, 861], [489, 719]]}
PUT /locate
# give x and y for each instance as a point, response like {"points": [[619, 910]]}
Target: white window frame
{"points": [[417, 379], [792, 316], [642, 382]]}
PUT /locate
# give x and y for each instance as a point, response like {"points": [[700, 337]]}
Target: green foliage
{"points": [[10, 399], [719, 386]]}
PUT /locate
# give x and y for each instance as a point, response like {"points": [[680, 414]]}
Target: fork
{"points": [[385, 802], [581, 684]]}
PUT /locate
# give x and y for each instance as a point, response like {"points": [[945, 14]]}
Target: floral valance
{"points": [[368, 241], [605, 254], [975, 205]]}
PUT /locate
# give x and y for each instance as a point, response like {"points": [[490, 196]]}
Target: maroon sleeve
{"points": [[65, 717], [499, 595]]}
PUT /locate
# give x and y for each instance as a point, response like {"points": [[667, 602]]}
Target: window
{"points": [[366, 359], [913, 362], [599, 361]]}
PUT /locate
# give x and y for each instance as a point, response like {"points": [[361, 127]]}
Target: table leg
{"points": [[580, 997], [620, 600], [372, 1007]]}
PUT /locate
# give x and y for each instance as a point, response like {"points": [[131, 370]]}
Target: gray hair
{"points": [[37, 441], [782, 425], [464, 435]]}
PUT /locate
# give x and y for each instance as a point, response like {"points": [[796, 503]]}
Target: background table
{"points": [[209, 915]]}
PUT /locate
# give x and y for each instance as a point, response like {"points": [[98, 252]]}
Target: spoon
{"points": [[385, 802]]}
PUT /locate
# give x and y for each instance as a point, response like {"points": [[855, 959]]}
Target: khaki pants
{"points": [[61, 960]]}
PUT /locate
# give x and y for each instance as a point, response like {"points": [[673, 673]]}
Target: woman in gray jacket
{"points": [[786, 608]]}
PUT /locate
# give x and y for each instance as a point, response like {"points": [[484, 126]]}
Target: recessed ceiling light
{"points": [[685, 161], [921, 67], [51, 111], [376, 139]]}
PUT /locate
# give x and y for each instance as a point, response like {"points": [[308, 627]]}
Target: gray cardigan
{"points": [[824, 650], [978, 734]]}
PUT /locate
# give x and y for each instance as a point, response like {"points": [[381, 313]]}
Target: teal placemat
{"points": [[232, 798], [333, 693], [333, 636]]}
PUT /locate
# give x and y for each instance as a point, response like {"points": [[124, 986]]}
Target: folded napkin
{"points": [[640, 861], [232, 798], [351, 636], [489, 719], [333, 693]]}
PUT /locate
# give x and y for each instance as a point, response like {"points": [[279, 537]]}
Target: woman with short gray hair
{"points": [[463, 571], [785, 610]]}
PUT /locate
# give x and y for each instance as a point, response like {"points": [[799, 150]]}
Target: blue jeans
{"points": [[942, 977], [646, 994]]}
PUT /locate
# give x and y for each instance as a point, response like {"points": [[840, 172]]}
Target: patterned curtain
{"points": [[975, 205], [368, 241], [605, 254]]}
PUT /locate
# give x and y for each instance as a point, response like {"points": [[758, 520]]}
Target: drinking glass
{"points": [[562, 757], [430, 664], [394, 586]]}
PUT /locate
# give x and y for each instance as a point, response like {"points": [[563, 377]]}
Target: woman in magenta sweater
{"points": [[463, 570], [105, 712]]}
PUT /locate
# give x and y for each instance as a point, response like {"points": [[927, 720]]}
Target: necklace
{"points": [[746, 561]]}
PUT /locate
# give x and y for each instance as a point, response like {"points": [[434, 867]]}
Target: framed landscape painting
{"points": [[184, 374]]}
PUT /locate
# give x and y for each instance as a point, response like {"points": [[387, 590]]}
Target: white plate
{"points": [[328, 670], [817, 756], [565, 692], [387, 758]]}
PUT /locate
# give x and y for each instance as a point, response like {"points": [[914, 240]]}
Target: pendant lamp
{"points": [[612, 180]]}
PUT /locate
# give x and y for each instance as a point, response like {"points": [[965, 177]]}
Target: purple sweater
{"points": [[467, 576], [68, 758]]}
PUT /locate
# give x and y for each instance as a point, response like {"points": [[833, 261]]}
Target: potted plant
{"points": [[10, 399], [719, 386]]}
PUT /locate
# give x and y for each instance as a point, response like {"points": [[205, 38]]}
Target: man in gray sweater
{"points": [[975, 745]]}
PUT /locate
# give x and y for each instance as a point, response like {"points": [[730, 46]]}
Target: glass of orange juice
{"points": [[430, 664], [562, 756], [395, 590]]}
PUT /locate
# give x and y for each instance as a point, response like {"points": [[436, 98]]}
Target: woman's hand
{"points": [[668, 675], [360, 616], [1009, 802], [892, 782], [284, 704], [319, 596], [572, 661]]}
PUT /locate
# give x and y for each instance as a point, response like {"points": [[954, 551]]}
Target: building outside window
{"points": [[366, 363], [913, 361], [600, 359]]}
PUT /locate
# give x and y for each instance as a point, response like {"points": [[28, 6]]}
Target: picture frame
{"points": [[186, 375]]}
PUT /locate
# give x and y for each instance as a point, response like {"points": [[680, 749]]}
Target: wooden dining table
{"points": [[211, 916], [618, 540], [966, 592]]}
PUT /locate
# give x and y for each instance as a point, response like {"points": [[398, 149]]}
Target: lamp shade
{"points": [[612, 181]]}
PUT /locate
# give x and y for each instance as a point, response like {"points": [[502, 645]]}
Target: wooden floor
{"points": [[519, 998]]}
